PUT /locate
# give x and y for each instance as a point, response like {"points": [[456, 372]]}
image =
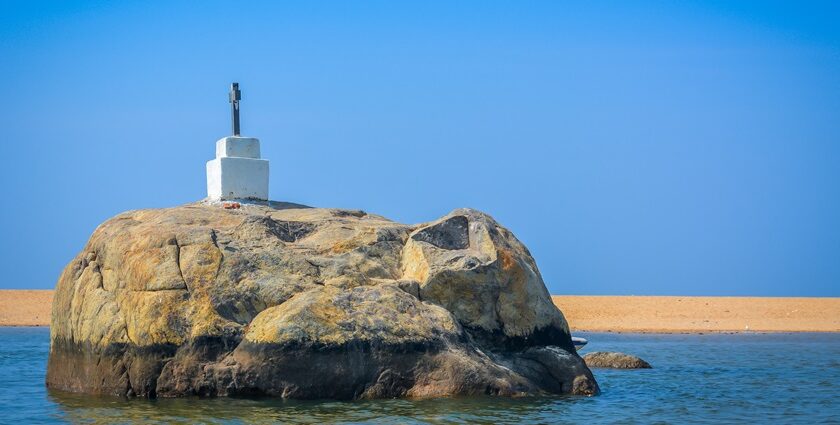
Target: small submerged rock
{"points": [[612, 360]]}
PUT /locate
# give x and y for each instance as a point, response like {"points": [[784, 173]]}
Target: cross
{"points": [[235, 96]]}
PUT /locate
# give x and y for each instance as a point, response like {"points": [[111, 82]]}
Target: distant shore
{"points": [[667, 314], [25, 307], [652, 314]]}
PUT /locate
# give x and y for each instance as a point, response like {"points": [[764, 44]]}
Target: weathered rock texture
{"points": [[289, 301], [613, 360]]}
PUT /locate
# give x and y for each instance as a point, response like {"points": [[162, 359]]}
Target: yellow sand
{"points": [[592, 313], [25, 307], [700, 314]]}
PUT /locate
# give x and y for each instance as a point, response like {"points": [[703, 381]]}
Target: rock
{"points": [[284, 300], [477, 269], [611, 360]]}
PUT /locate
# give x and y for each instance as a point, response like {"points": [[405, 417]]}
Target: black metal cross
{"points": [[235, 96]]}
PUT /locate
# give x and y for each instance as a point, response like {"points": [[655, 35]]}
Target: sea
{"points": [[696, 378]]}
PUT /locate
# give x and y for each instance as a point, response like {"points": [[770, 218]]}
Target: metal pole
{"points": [[235, 96]]}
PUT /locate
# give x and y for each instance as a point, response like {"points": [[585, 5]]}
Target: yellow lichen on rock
{"points": [[333, 316], [414, 263]]}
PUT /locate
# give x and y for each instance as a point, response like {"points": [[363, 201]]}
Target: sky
{"points": [[636, 148]]}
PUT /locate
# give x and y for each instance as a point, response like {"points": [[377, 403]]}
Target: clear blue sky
{"points": [[688, 148]]}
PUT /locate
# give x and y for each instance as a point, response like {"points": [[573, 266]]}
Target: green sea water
{"points": [[716, 378]]}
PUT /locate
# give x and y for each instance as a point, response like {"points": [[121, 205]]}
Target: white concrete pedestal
{"points": [[237, 172]]}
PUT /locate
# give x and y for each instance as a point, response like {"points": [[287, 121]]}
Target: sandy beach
{"points": [[593, 313], [700, 314], [25, 307]]}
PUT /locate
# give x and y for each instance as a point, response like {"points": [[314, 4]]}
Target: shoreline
{"points": [[592, 313], [694, 315], [25, 307]]}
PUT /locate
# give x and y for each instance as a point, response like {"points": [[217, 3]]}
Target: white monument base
{"points": [[237, 172]]}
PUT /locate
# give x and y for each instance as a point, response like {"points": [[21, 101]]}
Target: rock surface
{"points": [[613, 360], [289, 301]]}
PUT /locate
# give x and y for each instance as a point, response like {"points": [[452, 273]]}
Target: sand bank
{"points": [[592, 313], [25, 307], [700, 314]]}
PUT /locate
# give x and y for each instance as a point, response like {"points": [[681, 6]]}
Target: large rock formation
{"points": [[290, 301]]}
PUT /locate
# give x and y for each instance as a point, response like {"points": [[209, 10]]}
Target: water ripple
{"points": [[769, 378]]}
